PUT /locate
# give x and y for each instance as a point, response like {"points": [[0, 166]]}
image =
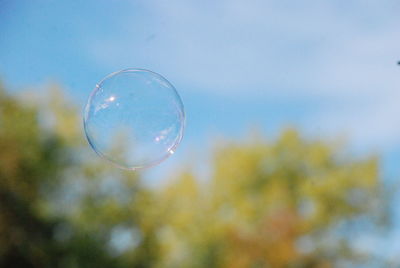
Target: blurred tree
{"points": [[28, 160], [50, 196], [287, 203], [290, 203]]}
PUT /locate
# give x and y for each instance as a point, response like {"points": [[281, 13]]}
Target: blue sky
{"points": [[327, 67]]}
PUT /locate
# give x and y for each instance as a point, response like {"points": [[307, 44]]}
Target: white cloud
{"points": [[345, 52], [238, 46]]}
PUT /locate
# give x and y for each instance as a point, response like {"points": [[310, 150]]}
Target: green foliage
{"points": [[291, 202], [263, 200], [55, 210]]}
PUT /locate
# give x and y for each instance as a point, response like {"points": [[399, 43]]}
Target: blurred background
{"points": [[291, 152]]}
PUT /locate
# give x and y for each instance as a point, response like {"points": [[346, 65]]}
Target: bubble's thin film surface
{"points": [[134, 118]]}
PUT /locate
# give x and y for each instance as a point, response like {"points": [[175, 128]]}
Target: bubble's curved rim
{"points": [[144, 165]]}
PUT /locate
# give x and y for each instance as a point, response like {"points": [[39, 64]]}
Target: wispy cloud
{"points": [[344, 53], [336, 60], [233, 47]]}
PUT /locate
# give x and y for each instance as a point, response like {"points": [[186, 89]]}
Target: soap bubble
{"points": [[134, 118]]}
